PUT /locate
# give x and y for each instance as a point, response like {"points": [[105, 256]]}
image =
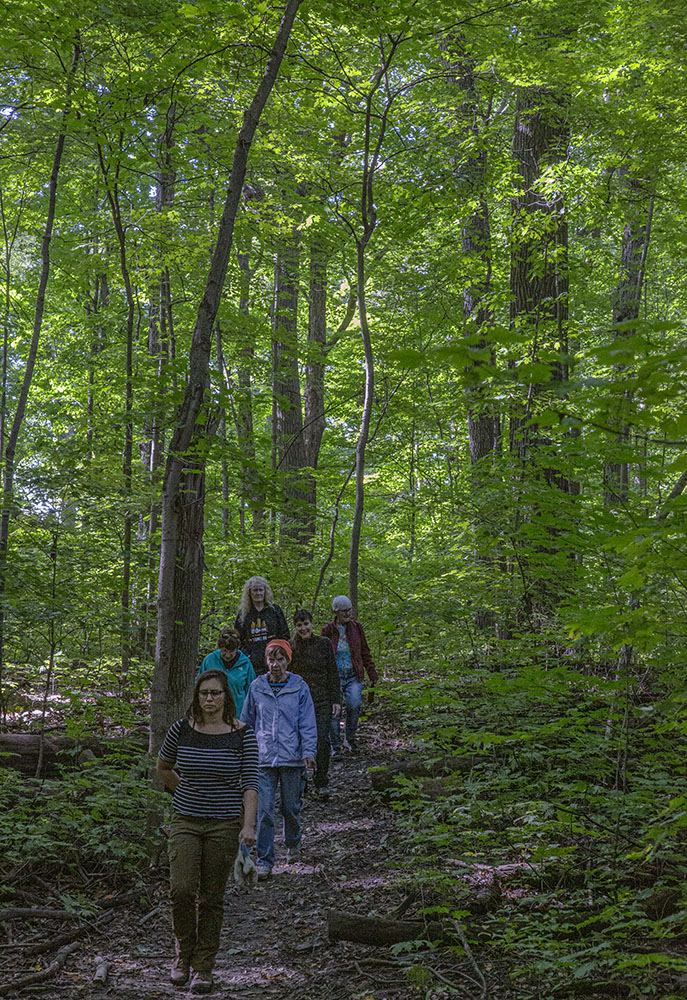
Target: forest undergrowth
{"points": [[536, 815]]}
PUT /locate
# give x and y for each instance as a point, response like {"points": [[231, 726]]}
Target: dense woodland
{"points": [[379, 298]]}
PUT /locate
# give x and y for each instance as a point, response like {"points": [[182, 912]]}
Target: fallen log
{"points": [[36, 913], [53, 943], [379, 930], [21, 751], [40, 977], [416, 767]]}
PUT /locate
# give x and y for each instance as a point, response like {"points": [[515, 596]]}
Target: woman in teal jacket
{"points": [[235, 664]]}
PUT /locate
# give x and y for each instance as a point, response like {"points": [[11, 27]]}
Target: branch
{"points": [[674, 493], [346, 321], [40, 977], [471, 958]]}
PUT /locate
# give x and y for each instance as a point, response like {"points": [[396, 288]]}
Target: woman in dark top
{"points": [[313, 659], [210, 761], [259, 620]]}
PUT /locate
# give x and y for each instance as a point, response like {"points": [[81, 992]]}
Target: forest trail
{"points": [[274, 939]]}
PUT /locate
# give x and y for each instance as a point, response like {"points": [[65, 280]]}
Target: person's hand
{"points": [[371, 696], [309, 762], [247, 835], [336, 711]]}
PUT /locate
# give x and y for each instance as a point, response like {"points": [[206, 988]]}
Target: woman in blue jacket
{"points": [[280, 710], [235, 664]]}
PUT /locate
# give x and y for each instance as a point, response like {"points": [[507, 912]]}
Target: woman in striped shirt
{"points": [[210, 761]]}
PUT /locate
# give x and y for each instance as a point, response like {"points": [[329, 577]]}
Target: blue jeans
{"points": [[351, 698], [290, 782]]}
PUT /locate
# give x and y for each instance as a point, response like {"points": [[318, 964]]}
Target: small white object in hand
{"points": [[245, 872]]}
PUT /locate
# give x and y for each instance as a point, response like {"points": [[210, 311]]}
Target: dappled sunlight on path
{"points": [[274, 940]]}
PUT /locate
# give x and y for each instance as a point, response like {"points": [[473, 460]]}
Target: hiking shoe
{"points": [[264, 871], [201, 982], [293, 854], [180, 972]]}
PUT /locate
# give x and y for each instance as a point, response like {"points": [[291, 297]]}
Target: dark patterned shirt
{"points": [[215, 768]]}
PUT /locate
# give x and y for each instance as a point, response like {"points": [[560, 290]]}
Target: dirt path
{"points": [[274, 940]]}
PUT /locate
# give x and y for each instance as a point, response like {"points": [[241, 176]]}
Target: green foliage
{"points": [[558, 789], [88, 823]]}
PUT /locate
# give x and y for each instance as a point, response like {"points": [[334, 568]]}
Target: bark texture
{"points": [[377, 930]]}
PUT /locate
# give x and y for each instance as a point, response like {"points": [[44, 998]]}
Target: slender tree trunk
{"points": [[314, 426], [159, 343], [368, 217], [112, 190], [473, 118], [16, 425], [180, 562], [314, 371], [626, 306], [356, 529], [94, 307], [251, 497], [287, 414], [9, 237]]}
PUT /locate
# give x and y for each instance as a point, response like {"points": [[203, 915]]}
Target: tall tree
{"points": [[539, 286], [180, 557], [363, 232], [627, 302], [288, 445]]}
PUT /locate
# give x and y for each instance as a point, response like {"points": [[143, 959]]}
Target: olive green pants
{"points": [[201, 857]]}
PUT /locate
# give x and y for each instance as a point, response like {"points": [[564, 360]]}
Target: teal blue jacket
{"points": [[240, 675]]}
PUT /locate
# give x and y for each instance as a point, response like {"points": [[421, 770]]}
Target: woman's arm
{"points": [[250, 812], [167, 775]]}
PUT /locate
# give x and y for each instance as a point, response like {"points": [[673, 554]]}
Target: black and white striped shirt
{"points": [[215, 768]]}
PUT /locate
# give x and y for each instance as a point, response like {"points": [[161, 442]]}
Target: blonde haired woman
{"points": [[259, 620]]}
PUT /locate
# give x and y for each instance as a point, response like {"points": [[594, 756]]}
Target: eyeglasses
{"points": [[211, 693]]}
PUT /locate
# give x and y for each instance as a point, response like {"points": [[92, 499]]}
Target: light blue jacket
{"points": [[284, 722], [240, 676]]}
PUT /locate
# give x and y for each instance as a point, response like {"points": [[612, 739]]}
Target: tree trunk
{"points": [[353, 562], [368, 218], [287, 414], [539, 310], [539, 258], [160, 336], [174, 667], [112, 189], [483, 421], [317, 346], [314, 380], [252, 499], [626, 306], [95, 304]]}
